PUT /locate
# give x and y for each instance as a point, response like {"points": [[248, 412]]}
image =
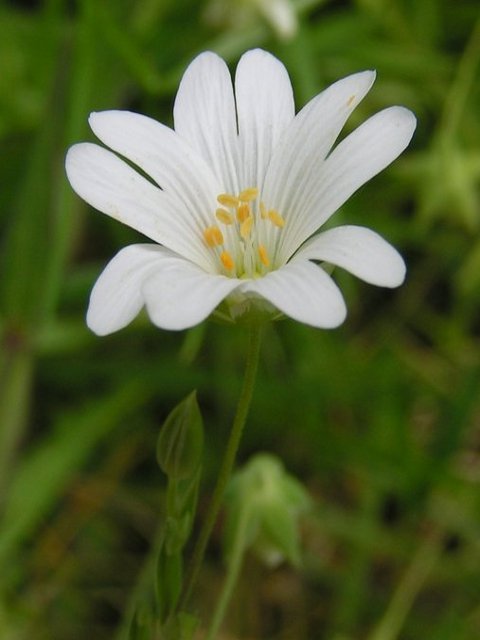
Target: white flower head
{"points": [[234, 198]]}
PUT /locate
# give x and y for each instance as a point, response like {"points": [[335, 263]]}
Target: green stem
{"points": [[410, 585], [16, 372], [234, 566], [227, 464]]}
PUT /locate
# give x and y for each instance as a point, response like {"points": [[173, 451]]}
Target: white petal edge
{"points": [[204, 115], [265, 107], [163, 155], [181, 295], [110, 185], [306, 143], [303, 291], [116, 297], [360, 251], [357, 159]]}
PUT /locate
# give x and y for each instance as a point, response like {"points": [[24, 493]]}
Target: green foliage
{"points": [[379, 419]]}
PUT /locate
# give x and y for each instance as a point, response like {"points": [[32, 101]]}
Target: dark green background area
{"points": [[380, 418]]}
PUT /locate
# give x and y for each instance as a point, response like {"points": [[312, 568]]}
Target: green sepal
{"points": [[180, 443], [278, 537], [142, 624], [180, 627]]}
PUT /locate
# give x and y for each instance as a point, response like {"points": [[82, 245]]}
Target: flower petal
{"points": [[204, 116], [307, 141], [181, 295], [116, 297], [265, 107], [174, 165], [110, 185], [357, 159], [303, 291], [360, 251]]}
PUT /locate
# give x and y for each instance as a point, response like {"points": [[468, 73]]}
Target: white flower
{"points": [[236, 193]]}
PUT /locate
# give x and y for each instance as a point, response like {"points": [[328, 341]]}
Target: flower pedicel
{"points": [[238, 192]]}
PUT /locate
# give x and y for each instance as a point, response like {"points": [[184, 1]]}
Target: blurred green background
{"points": [[380, 418]]}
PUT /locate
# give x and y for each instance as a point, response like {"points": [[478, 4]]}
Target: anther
{"points": [[276, 218], [247, 195], [213, 236], [262, 252], [227, 200], [246, 227], [263, 210], [227, 260], [224, 216], [243, 212]]}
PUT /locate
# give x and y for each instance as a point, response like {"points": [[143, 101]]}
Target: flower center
{"points": [[242, 237]]}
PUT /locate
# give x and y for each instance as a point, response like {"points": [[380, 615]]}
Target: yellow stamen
{"points": [[227, 260], [227, 200], [246, 227], [247, 195], [262, 252], [213, 236], [224, 216], [243, 212], [276, 218]]}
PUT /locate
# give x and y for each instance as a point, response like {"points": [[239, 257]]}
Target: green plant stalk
{"points": [[234, 566], [464, 81], [227, 463], [65, 220], [408, 589], [38, 244], [16, 371]]}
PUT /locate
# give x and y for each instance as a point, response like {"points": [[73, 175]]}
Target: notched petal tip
{"points": [[116, 297], [69, 157], [205, 56], [75, 162], [96, 326], [397, 273], [370, 75], [99, 116], [403, 119], [254, 57], [359, 250], [202, 65]]}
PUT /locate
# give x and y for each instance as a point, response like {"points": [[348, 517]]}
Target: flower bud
{"points": [[272, 501], [180, 443], [279, 14]]}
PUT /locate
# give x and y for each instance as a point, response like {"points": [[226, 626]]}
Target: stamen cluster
{"points": [[239, 249]]}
